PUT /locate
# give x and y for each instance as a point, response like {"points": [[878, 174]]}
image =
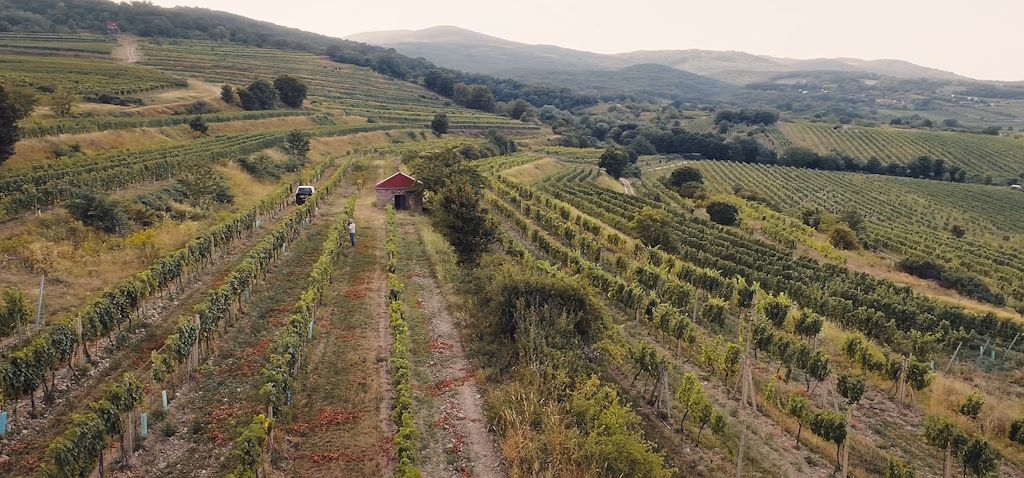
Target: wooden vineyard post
{"points": [[1012, 343], [746, 385], [953, 358]]}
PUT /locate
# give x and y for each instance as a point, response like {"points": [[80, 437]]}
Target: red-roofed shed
{"points": [[398, 191]]}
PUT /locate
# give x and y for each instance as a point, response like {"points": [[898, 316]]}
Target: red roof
{"points": [[397, 181]]}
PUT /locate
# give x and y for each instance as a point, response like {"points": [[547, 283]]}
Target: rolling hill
{"points": [[471, 51]]}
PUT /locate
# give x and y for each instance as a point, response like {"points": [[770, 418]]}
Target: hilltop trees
{"points": [[477, 97], [291, 91]]}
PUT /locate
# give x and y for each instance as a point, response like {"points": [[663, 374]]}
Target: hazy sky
{"points": [[981, 39]]}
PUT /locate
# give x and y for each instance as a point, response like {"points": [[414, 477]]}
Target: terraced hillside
{"points": [[1000, 158], [356, 91], [204, 222]]}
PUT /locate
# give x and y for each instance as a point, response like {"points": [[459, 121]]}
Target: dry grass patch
{"points": [[36, 150], [535, 172]]}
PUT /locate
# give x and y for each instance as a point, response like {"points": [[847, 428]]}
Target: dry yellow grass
{"points": [[608, 182], [247, 190], [339, 145], [535, 172], [35, 150], [254, 126], [882, 268]]}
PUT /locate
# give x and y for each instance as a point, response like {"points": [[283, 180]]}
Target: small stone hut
{"points": [[398, 190]]}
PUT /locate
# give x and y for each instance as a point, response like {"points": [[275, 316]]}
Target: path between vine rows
{"points": [[30, 440], [448, 408], [341, 416], [207, 410]]}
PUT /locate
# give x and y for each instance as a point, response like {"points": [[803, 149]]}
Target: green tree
{"points": [[685, 174], [477, 97], [62, 101], [9, 132], [98, 212], [291, 91], [615, 159], [464, 221], [654, 228], [807, 324], [259, 95], [776, 309], [970, 407], [198, 125], [714, 311], [844, 238], [731, 360], [899, 469], [723, 213], [15, 314], [23, 101], [944, 434], [798, 408], [1016, 431], [297, 145], [851, 388], [204, 188], [504, 144], [227, 95], [978, 456], [439, 125]]}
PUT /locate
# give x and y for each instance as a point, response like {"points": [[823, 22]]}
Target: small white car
{"points": [[302, 193]]}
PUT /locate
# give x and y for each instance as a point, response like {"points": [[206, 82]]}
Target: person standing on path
{"points": [[352, 232]]}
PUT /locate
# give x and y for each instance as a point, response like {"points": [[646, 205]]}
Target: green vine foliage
{"points": [[54, 347], [77, 452]]}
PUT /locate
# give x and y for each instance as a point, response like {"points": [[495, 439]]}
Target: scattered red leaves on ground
{"points": [[360, 288], [342, 458], [251, 358], [439, 346], [327, 419], [441, 387]]}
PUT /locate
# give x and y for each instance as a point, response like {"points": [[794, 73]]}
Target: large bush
{"points": [[724, 213]]}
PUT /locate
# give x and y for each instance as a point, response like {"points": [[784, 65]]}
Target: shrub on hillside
{"points": [[97, 211], [259, 95], [724, 213]]}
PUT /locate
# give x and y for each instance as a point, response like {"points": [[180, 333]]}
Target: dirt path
{"points": [[195, 437], [341, 425], [454, 437], [127, 49], [627, 186]]}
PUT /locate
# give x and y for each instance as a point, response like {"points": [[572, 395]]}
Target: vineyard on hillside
{"points": [[904, 216], [540, 317], [1000, 158], [587, 230]]}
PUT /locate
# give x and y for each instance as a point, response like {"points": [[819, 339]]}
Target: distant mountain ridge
{"points": [[468, 50]]}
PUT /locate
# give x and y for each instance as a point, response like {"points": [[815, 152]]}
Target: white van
{"points": [[302, 193]]}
